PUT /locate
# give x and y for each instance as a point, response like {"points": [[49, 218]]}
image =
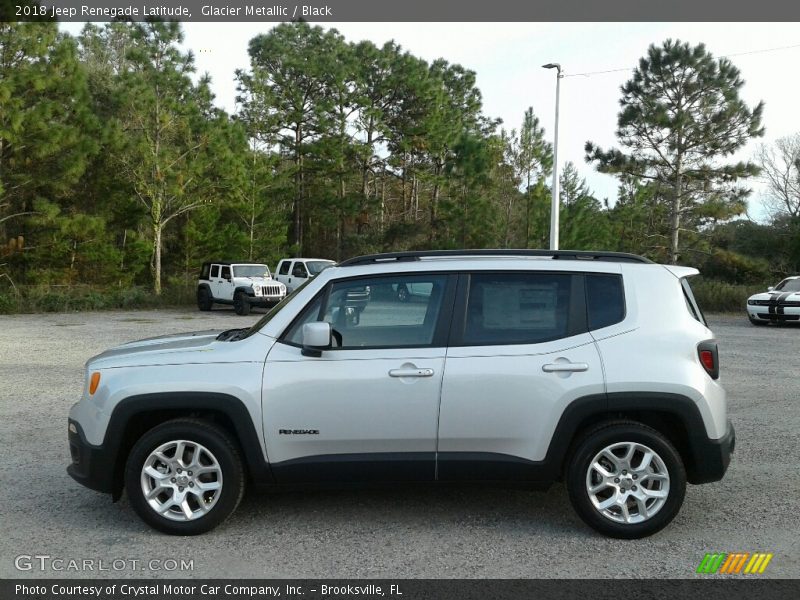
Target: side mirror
{"points": [[316, 338], [770, 288]]}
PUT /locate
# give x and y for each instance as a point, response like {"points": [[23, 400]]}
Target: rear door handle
{"points": [[411, 373], [565, 367]]}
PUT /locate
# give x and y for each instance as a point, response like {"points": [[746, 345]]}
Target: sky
{"points": [[507, 59]]}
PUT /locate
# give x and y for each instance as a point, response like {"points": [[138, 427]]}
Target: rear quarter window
{"points": [[691, 302], [605, 300]]}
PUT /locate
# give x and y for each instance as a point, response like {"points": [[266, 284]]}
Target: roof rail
{"points": [[411, 256]]}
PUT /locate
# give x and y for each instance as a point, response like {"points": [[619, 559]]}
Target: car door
{"points": [[367, 408], [282, 272], [225, 283], [214, 281], [298, 275], [520, 353]]}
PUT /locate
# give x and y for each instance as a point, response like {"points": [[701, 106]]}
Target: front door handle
{"points": [[411, 372], [565, 367]]}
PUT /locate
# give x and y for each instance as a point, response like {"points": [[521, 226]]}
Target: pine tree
{"points": [[681, 116]]}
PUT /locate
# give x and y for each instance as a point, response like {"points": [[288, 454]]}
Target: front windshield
{"points": [[274, 311], [315, 267], [789, 285], [251, 271]]}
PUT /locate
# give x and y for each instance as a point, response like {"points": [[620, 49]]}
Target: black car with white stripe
{"points": [[778, 305]]}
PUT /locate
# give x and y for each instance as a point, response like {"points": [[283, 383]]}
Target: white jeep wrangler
{"points": [[507, 367], [243, 285]]}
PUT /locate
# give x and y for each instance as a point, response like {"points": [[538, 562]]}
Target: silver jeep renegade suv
{"points": [[520, 367]]}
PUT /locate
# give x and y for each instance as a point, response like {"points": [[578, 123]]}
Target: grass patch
{"points": [[61, 299]]}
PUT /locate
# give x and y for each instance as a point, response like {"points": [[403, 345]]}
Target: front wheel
{"points": [[241, 304], [184, 477], [626, 480]]}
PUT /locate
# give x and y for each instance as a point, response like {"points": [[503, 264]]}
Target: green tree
{"points": [[45, 130], [584, 225], [681, 117], [175, 147], [284, 96], [534, 160]]}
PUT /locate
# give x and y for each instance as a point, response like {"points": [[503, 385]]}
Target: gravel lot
{"points": [[385, 534]]}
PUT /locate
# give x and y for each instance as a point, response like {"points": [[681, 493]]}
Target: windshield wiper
{"points": [[231, 335]]}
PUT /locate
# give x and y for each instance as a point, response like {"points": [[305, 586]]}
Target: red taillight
{"points": [[708, 354], [707, 358]]}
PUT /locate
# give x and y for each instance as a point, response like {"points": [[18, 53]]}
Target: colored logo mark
{"points": [[735, 563]]}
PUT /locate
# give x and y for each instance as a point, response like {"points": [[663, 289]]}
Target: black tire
{"points": [[600, 438], [211, 437], [241, 304], [402, 293], [204, 299], [756, 322]]}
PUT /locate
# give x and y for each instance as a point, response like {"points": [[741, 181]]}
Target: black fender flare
{"points": [[117, 440], [701, 454], [244, 288]]}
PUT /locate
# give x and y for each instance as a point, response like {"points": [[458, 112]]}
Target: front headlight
{"points": [[751, 302], [257, 290]]}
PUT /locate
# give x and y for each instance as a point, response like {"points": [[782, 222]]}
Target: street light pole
{"points": [[554, 205]]}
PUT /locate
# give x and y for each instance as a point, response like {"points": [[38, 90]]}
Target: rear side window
{"points": [[284, 268], [517, 308], [204, 271], [605, 300], [215, 271]]}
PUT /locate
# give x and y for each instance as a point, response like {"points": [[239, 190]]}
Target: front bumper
{"points": [[776, 312], [264, 301], [91, 466], [711, 457]]}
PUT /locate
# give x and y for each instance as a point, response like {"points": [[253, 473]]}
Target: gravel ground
{"points": [[411, 533]]}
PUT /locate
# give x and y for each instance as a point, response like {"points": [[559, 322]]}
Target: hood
{"points": [[194, 347], [257, 280]]}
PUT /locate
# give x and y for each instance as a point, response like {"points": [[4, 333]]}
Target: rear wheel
{"points": [[241, 304], [184, 477], [626, 480], [204, 299]]}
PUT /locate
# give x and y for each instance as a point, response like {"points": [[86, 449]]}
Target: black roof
{"points": [[231, 262], [554, 254]]}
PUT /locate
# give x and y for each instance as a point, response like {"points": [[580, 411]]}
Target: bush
{"points": [[44, 298], [719, 296]]}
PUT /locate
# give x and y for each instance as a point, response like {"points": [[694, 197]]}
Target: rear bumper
{"points": [[91, 466], [711, 457]]}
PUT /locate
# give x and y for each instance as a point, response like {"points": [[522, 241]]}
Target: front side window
{"points": [[299, 270], [517, 308], [226, 273], [366, 313]]}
